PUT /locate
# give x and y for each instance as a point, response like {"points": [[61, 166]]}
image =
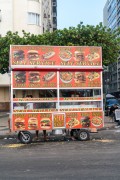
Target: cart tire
{"points": [[83, 135], [26, 138]]}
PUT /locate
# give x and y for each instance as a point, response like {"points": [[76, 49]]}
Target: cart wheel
{"points": [[25, 137], [83, 135]]}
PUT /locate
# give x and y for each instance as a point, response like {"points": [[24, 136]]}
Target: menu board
{"points": [[54, 56], [43, 121], [80, 79], [48, 79], [34, 79], [84, 120], [32, 121]]}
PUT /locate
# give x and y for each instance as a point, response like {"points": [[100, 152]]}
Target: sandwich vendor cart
{"points": [[56, 88]]}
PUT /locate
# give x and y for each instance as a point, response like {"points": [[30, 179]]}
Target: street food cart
{"points": [[56, 88]]}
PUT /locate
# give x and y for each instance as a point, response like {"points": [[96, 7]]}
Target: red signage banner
{"points": [[80, 79], [44, 121], [34, 79], [45, 79], [63, 56]]}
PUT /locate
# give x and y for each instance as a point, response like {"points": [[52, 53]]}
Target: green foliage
{"points": [[74, 36]]}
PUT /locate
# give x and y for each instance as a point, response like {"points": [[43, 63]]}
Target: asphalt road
{"points": [[97, 159]]}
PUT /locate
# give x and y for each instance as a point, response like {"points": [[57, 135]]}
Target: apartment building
{"points": [[4, 92], [34, 16], [111, 19]]}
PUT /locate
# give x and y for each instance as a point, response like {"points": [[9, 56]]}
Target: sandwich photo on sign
{"points": [[34, 77], [48, 55]]}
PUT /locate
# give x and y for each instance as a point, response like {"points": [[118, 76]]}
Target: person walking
{"points": [[112, 112]]}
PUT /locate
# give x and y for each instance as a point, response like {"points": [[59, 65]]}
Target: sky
{"points": [[72, 12]]}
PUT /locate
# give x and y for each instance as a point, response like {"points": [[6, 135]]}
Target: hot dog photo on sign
{"points": [[48, 55], [48, 76]]}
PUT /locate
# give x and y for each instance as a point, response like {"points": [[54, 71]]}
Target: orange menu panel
{"points": [[80, 79], [45, 79], [43, 121], [32, 121], [56, 56], [37, 79]]}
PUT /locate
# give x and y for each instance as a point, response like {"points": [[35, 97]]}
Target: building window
{"points": [[33, 18]]}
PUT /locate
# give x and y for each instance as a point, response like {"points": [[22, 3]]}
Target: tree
{"points": [[79, 36]]}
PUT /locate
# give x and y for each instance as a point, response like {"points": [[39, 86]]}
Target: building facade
{"points": [[4, 92], [34, 16], [111, 19]]}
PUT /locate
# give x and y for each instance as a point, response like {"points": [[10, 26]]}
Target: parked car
{"points": [[109, 103]]}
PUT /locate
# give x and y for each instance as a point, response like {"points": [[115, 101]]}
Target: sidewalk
{"points": [[4, 130], [108, 124]]}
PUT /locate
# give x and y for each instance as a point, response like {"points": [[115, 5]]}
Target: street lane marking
{"points": [[104, 140], [14, 145]]}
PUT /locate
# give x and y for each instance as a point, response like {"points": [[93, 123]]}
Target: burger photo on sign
{"points": [[79, 56], [20, 77], [32, 123], [85, 121], [33, 55], [20, 123], [18, 55], [45, 123], [80, 77], [34, 77]]}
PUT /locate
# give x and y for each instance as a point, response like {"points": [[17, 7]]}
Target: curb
{"points": [[8, 135], [4, 115], [106, 128]]}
